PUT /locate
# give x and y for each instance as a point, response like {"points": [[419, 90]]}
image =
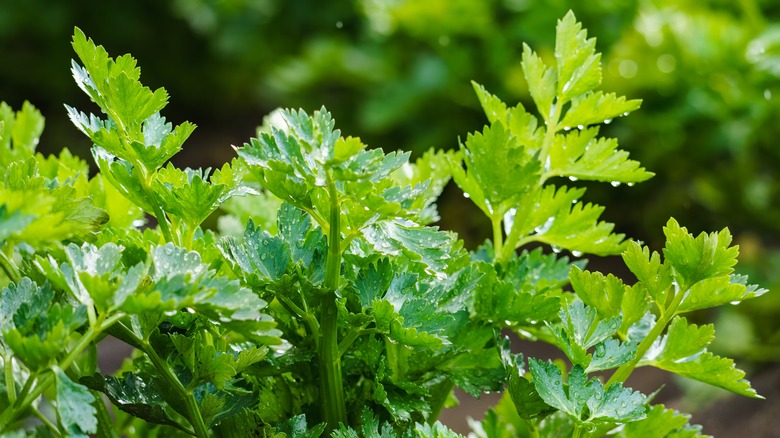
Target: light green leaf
{"points": [[259, 254], [712, 292], [425, 245], [695, 259], [188, 195], [610, 297], [12, 223], [74, 407], [541, 82], [597, 107], [580, 155], [556, 218], [683, 351], [501, 302], [655, 278], [432, 170], [578, 64], [661, 423], [41, 325], [584, 400], [26, 130], [497, 169]]}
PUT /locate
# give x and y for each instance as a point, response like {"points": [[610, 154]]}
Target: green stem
{"points": [[666, 316], [533, 431], [106, 427], [191, 405], [549, 136], [498, 239], [577, 432], [162, 221], [10, 385], [52, 428], [10, 269], [334, 406]]}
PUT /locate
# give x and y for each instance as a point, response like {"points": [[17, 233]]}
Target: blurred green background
{"points": [[397, 73]]}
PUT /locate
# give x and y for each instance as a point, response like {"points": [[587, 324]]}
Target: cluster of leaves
{"points": [[352, 316]]}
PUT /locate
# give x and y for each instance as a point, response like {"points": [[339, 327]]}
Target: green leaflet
{"points": [[19, 132], [610, 297], [95, 276], [557, 218], [695, 259], [298, 162], [580, 331], [662, 423], [586, 401], [186, 195], [579, 154], [44, 210], [74, 406], [498, 170], [40, 325], [683, 351], [114, 86], [514, 301], [508, 164], [431, 170]]}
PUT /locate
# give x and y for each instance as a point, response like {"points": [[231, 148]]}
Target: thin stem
{"points": [[549, 136], [10, 269], [10, 385], [162, 221], [351, 337], [293, 308], [533, 431], [317, 218], [191, 405], [334, 406], [52, 428], [666, 316], [498, 239], [577, 432], [105, 422]]}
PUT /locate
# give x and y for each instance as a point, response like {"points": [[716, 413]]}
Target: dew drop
{"points": [[567, 128], [768, 94], [266, 242], [263, 256], [608, 121], [625, 113], [630, 184], [556, 249], [572, 178], [580, 127], [576, 253], [339, 24], [615, 183], [734, 303], [466, 195]]}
